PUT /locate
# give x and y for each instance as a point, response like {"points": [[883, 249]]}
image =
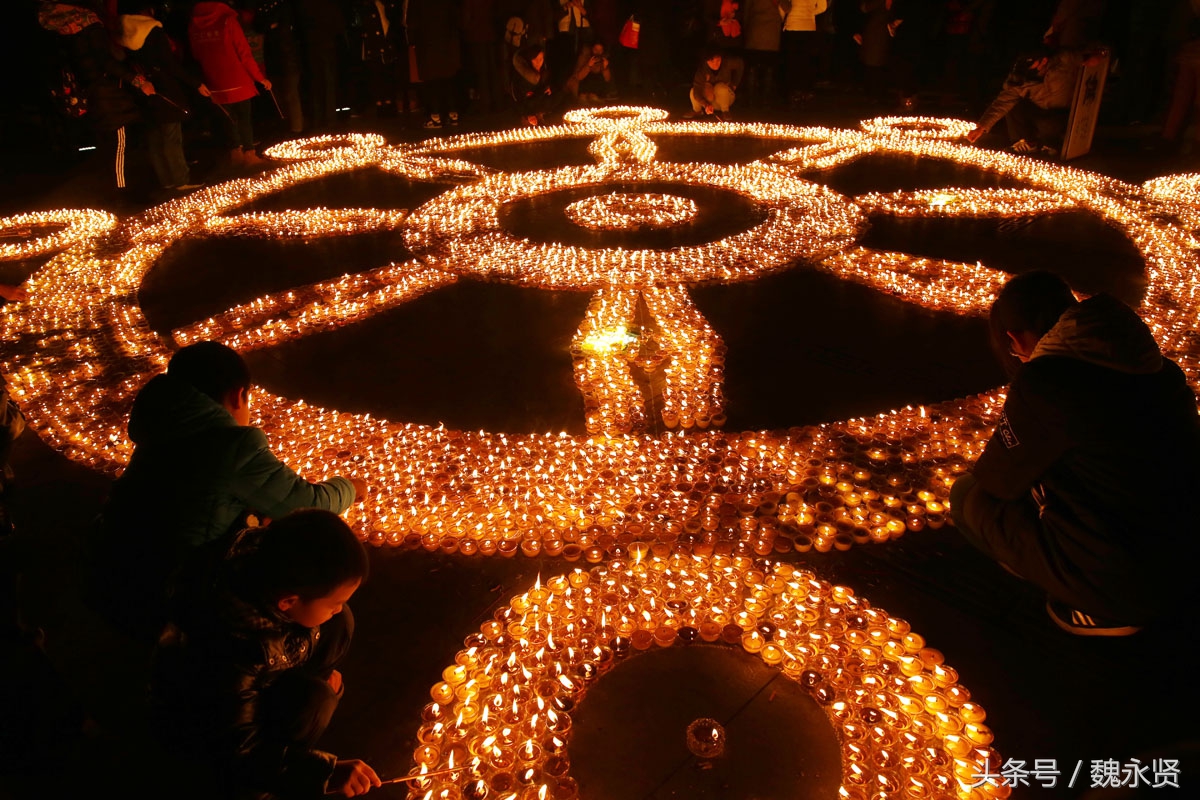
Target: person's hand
{"points": [[335, 682], [147, 88], [708, 109], [203, 90], [13, 293], [360, 489], [266, 84], [858, 39], [352, 777], [547, 90], [974, 135]]}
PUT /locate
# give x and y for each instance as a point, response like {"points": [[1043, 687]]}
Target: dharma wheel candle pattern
{"points": [[502, 713], [80, 348]]}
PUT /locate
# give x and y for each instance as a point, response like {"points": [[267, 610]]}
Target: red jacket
{"points": [[223, 52]]}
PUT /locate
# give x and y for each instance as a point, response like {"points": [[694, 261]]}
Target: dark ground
{"points": [[498, 361]]}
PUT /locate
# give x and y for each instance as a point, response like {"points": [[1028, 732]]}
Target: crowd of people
{"points": [[152, 69]]}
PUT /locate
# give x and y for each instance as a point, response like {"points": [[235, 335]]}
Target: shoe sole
{"points": [[1124, 630]]}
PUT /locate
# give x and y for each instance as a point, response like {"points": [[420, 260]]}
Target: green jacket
{"points": [[195, 473]]}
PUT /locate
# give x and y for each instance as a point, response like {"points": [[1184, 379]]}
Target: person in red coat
{"points": [[230, 72]]}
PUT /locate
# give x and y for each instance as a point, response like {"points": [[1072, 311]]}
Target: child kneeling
{"points": [[245, 679]]}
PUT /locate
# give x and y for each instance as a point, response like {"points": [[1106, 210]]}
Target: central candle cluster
{"points": [[500, 721], [624, 211]]}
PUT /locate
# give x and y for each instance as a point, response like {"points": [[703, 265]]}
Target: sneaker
{"points": [[188, 187], [453, 117], [1072, 620], [434, 121], [1025, 146]]}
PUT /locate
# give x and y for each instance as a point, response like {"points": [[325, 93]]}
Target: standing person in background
{"points": [[762, 27], [1185, 92], [108, 85], [875, 45], [481, 34], [276, 21], [723, 24], [381, 48], [322, 27], [607, 19], [574, 29], [1076, 24], [230, 73], [913, 25], [801, 46], [434, 30], [150, 51]]}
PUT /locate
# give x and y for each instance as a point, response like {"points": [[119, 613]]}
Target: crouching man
{"points": [[1099, 431]]}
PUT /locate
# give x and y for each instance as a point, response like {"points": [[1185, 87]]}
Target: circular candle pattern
{"points": [[624, 211], [905, 723], [919, 127], [613, 116], [462, 229], [332, 146], [74, 225], [80, 349]]}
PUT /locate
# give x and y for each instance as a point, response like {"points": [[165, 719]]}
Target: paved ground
{"points": [[1048, 695]]}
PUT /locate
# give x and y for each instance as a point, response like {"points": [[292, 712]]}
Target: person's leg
{"points": [[245, 125], [298, 706], [1021, 122], [431, 98], [1011, 533], [176, 161], [156, 150], [1184, 92], [789, 48], [723, 97], [113, 144], [806, 61], [697, 106]]}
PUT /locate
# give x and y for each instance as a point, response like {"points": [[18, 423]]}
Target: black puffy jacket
{"points": [[212, 666]]}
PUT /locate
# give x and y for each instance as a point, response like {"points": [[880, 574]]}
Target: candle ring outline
{"points": [[884, 691]]}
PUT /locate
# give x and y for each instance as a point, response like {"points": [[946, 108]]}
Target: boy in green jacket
{"points": [[198, 470]]}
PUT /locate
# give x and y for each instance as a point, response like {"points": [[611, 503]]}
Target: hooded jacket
{"points": [[220, 46], [1105, 431], [195, 473], [150, 49], [194, 476]]}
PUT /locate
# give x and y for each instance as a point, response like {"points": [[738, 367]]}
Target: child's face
{"points": [[714, 63], [319, 610]]}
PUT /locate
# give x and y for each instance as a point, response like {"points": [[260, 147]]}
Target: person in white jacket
{"points": [[800, 46]]}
